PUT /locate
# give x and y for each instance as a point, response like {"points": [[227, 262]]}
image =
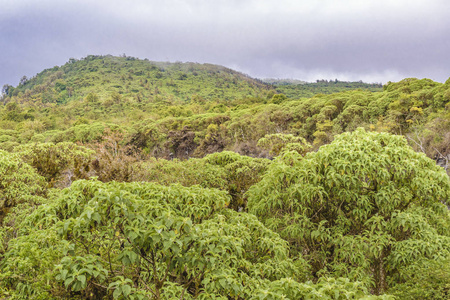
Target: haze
{"points": [[373, 41]]}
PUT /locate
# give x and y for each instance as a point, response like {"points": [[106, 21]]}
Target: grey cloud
{"points": [[351, 40]]}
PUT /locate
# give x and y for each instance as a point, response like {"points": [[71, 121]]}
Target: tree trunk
{"points": [[380, 275]]}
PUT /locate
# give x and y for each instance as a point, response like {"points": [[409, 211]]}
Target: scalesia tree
{"points": [[144, 241], [366, 207]]}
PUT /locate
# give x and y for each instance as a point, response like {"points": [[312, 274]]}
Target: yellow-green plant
{"points": [[19, 182], [144, 240], [52, 160], [276, 142], [363, 207]]}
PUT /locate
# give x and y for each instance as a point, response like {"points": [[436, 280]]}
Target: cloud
{"points": [[380, 40]]}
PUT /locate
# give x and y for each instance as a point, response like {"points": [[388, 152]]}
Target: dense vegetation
{"points": [[88, 99], [297, 89], [129, 179], [138, 79]]}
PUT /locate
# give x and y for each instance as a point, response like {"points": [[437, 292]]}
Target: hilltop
{"points": [[135, 78], [152, 81]]}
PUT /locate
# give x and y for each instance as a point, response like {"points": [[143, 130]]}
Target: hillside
{"points": [[296, 89], [151, 81], [138, 79], [182, 110]]}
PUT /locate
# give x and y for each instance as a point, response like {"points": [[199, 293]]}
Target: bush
{"points": [[60, 163], [363, 207], [19, 182]]}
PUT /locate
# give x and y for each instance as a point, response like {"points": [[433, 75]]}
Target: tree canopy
{"points": [[366, 207]]}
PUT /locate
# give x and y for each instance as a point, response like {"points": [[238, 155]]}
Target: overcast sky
{"points": [[369, 40]]}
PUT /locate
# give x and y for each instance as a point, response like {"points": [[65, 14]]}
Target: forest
{"points": [[123, 178]]}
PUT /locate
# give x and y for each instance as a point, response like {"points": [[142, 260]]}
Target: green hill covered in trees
{"points": [[186, 110], [140, 80], [123, 178], [299, 89]]}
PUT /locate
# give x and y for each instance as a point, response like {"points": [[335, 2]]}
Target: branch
{"points": [[99, 285], [153, 262], [444, 157], [167, 270], [147, 287], [420, 145]]}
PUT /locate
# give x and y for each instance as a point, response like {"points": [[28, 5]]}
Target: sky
{"points": [[349, 40]]}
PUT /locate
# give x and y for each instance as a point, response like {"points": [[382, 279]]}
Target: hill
{"points": [[135, 78], [182, 110], [300, 89], [146, 80]]}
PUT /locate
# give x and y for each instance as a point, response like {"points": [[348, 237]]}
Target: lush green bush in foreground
{"points": [[366, 207], [363, 216]]}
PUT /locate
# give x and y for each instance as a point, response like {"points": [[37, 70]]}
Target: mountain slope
{"points": [[296, 89], [134, 78], [182, 110]]}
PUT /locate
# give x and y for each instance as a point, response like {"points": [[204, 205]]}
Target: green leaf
{"points": [[82, 279], [126, 290], [117, 292], [68, 281]]}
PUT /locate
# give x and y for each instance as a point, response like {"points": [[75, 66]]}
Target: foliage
{"points": [[426, 279], [114, 159], [19, 183], [295, 89], [326, 288], [241, 173], [122, 239], [225, 170], [21, 188], [275, 143], [187, 173], [363, 207], [54, 161]]}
